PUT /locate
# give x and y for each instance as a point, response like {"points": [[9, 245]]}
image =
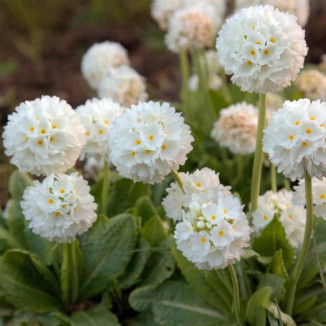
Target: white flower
{"points": [[299, 8], [91, 167], [162, 10], [214, 82], [236, 128], [148, 141], [97, 116], [293, 218], [44, 136], [99, 58], [214, 230], [295, 139], [191, 28], [318, 195], [59, 208], [262, 47], [123, 85], [313, 84], [200, 181]]}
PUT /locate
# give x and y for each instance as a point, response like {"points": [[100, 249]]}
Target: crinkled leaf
{"points": [[17, 184], [276, 283], [278, 266], [153, 231], [145, 209], [142, 319]]}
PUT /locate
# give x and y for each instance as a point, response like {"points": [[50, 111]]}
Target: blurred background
{"points": [[42, 43]]}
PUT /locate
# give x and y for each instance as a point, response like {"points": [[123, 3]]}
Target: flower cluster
{"points": [[97, 117], [201, 181], [60, 207], [262, 47], [313, 84], [293, 218], [148, 141], [162, 11], [299, 8], [214, 230], [124, 85], [318, 195], [236, 128], [273, 103], [44, 136], [295, 139], [99, 58]]}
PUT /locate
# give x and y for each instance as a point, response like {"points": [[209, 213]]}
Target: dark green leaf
{"points": [[145, 209], [153, 231], [17, 183]]}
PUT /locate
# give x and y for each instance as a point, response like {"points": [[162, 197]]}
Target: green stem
{"points": [[236, 295], [258, 159], [64, 275], [273, 178], [305, 246], [105, 189], [178, 179], [185, 72], [225, 87], [73, 272], [286, 184]]}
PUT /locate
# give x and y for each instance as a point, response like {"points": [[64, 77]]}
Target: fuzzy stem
{"points": [[73, 272], [225, 87], [305, 246], [236, 295], [105, 189], [258, 159], [184, 68], [178, 179], [273, 178]]}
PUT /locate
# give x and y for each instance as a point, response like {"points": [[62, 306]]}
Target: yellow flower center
{"points": [[213, 217], [87, 133], [164, 147], [37, 118], [312, 118], [43, 131], [31, 128], [258, 42], [106, 122], [51, 138], [290, 216], [249, 63], [54, 126], [265, 217], [322, 196], [57, 214], [272, 39], [147, 151], [137, 142], [291, 137], [133, 153], [151, 137], [198, 184], [221, 233], [40, 142], [266, 52], [308, 131], [225, 211], [304, 144], [62, 191], [297, 123], [203, 240], [100, 131], [26, 139], [252, 52], [50, 201]]}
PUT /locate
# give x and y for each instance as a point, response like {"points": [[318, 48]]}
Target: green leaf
{"points": [[304, 306], [278, 266], [257, 305], [9, 239], [212, 286], [272, 239], [106, 249], [136, 265], [142, 319], [17, 183], [29, 319], [153, 231], [276, 283], [145, 209], [28, 284], [286, 319], [160, 265], [142, 298]]}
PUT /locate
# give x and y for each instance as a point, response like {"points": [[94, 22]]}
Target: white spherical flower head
{"points": [[299, 8], [162, 10], [214, 230], [295, 139], [201, 181], [293, 218], [97, 116], [64, 207], [44, 136], [313, 84], [99, 58], [318, 194], [149, 141], [191, 28], [236, 128], [124, 85], [262, 48]]}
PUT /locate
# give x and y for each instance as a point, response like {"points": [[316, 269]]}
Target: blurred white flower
{"points": [[318, 195], [313, 84], [262, 48], [214, 82], [273, 103], [295, 139], [124, 85], [99, 58], [44, 136], [293, 218], [214, 230], [59, 208], [97, 116], [149, 141], [236, 128], [299, 8], [200, 181], [162, 10]]}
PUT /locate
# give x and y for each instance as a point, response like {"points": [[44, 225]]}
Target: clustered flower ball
{"points": [[162, 10], [191, 28], [236, 128], [201, 181], [123, 85], [214, 230], [262, 48], [148, 141], [318, 195], [97, 116], [64, 207], [313, 84], [99, 58], [293, 218], [299, 8], [295, 139], [44, 136]]}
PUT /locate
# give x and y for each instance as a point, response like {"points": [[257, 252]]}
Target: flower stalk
{"points": [[305, 246], [178, 180], [273, 178], [236, 295], [105, 188]]}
